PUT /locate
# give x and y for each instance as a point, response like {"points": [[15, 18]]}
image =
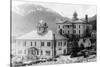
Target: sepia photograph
{"points": [[46, 33]]}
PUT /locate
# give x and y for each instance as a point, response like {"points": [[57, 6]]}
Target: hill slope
{"points": [[25, 17]]}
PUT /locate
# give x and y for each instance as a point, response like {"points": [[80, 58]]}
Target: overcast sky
{"points": [[65, 10]]}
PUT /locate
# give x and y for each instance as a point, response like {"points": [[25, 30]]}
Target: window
{"points": [[35, 43], [63, 26], [48, 53], [59, 43], [25, 43], [63, 31], [65, 43], [48, 44], [74, 31], [31, 43], [79, 26], [74, 26], [59, 49], [25, 51], [59, 26], [41, 52], [37, 52], [68, 26], [68, 31], [79, 31], [42, 43]]}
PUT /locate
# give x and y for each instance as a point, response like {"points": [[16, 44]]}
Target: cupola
{"points": [[75, 16], [42, 27]]}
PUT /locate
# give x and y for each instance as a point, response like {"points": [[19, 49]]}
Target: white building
{"points": [[74, 26], [41, 43]]}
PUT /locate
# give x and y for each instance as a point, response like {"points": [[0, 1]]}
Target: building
{"points": [[74, 26], [41, 44]]}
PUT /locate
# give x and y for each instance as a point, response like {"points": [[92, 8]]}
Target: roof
{"points": [[71, 21], [35, 36], [58, 37], [78, 21]]}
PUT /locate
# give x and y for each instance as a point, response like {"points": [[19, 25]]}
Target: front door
{"points": [[32, 53]]}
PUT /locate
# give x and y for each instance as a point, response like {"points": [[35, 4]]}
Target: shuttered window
{"points": [[42, 43], [48, 44]]}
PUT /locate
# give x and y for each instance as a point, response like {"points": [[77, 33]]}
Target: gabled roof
{"points": [[68, 21], [59, 37], [35, 36], [77, 21]]}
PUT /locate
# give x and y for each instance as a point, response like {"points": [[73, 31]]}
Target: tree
{"points": [[88, 34]]}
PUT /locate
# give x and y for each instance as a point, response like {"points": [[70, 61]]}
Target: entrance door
{"points": [[32, 53]]}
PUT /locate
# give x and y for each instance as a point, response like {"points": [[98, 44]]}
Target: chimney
{"points": [[54, 41], [86, 18]]}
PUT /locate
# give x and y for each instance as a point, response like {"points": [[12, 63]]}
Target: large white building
{"points": [[40, 44], [74, 26]]}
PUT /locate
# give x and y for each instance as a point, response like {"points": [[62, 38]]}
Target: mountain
{"points": [[26, 16]]}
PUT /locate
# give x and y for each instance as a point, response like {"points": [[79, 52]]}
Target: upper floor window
{"points": [[42, 43], [58, 26], [31, 43], [37, 52], [68, 26], [63, 26], [25, 43], [65, 43], [59, 43], [79, 26], [74, 31], [79, 31], [63, 31], [59, 49], [48, 44], [74, 26]]}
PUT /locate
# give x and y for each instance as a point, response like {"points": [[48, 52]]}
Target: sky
{"points": [[65, 10]]}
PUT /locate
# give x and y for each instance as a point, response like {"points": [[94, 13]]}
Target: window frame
{"points": [[48, 44], [42, 44]]}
